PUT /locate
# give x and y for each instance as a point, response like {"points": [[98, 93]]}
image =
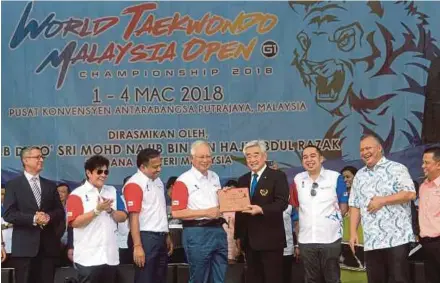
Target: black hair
{"points": [[231, 183], [435, 150], [95, 162], [351, 169], [312, 146], [64, 184], [170, 182], [145, 155], [126, 179]]}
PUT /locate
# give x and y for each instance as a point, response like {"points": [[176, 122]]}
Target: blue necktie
{"points": [[254, 183]]}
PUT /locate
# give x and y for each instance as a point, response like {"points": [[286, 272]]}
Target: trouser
{"points": [[321, 261], [156, 258], [388, 264], [287, 268], [431, 250], [96, 274], [264, 266], [206, 250]]}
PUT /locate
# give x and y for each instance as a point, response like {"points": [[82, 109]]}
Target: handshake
{"points": [[41, 219]]}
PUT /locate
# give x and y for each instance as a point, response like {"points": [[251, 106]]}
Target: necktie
{"points": [[36, 190], [254, 183]]}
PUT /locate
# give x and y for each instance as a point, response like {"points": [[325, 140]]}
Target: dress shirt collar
{"points": [[379, 164], [30, 176], [92, 188], [435, 182], [260, 172], [199, 174]]}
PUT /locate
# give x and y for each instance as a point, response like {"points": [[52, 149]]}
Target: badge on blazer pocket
{"points": [[264, 192]]}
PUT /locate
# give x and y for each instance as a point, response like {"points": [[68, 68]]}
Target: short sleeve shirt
{"points": [[391, 226]]}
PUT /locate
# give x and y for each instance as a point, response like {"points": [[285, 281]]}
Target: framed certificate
{"points": [[234, 199]]}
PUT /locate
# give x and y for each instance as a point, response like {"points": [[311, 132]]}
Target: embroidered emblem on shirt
{"points": [[130, 203], [264, 192], [69, 214], [175, 202]]}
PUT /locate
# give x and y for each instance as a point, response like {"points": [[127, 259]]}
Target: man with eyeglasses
{"points": [[93, 210], [381, 195], [321, 196], [144, 194], [195, 201], [33, 206], [260, 230]]}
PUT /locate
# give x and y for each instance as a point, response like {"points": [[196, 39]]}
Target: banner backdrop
{"points": [[111, 78]]}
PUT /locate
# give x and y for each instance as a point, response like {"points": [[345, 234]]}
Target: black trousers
{"points": [[321, 262], [96, 274], [431, 250], [287, 268], [39, 269], [264, 266], [388, 265]]}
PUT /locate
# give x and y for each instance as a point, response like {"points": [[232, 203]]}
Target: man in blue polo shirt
{"points": [[321, 196]]}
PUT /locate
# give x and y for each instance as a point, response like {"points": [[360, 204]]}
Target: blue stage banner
{"points": [[112, 78]]}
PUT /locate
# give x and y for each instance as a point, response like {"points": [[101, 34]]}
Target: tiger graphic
{"points": [[366, 63]]}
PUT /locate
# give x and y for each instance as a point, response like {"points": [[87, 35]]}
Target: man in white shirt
{"points": [[322, 200], [144, 194], [195, 201], [93, 210]]}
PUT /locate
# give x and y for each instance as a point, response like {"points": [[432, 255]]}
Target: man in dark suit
{"points": [[260, 230], [33, 206]]}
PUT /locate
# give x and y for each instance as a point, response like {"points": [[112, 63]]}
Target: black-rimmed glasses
{"points": [[313, 191]]}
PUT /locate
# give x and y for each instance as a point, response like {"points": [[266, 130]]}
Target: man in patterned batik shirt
{"points": [[381, 195]]}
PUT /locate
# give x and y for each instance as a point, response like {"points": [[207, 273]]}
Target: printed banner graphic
{"points": [[84, 78]]}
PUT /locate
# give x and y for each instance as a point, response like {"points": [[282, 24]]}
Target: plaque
{"points": [[234, 199]]}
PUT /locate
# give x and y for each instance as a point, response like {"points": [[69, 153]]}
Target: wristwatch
{"points": [[111, 211], [97, 212]]}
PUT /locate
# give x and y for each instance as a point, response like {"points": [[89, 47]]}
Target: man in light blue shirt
{"points": [[381, 195]]}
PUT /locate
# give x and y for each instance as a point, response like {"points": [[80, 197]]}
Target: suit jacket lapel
{"points": [[27, 186], [261, 181], [43, 191]]}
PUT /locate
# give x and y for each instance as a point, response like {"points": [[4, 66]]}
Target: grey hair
{"points": [[196, 144], [25, 151], [261, 144]]}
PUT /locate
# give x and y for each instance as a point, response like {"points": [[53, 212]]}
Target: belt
{"points": [[204, 223], [157, 233]]}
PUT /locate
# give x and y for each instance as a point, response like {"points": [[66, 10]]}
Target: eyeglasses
{"points": [[313, 191], [203, 156], [100, 171], [36, 157]]}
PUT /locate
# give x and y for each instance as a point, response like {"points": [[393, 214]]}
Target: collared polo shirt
{"points": [[147, 197], [96, 243], [195, 191], [320, 219], [391, 226], [429, 208]]}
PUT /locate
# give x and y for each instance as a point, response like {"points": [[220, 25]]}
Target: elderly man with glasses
{"points": [[195, 202], [33, 206], [321, 196]]}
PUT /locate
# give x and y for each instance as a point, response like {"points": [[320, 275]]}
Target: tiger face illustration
{"points": [[366, 64]]}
